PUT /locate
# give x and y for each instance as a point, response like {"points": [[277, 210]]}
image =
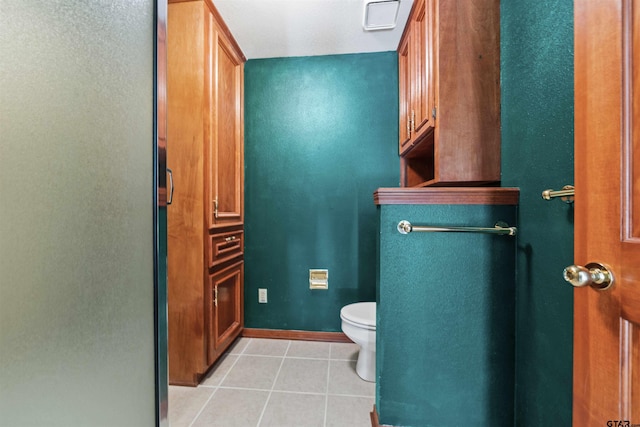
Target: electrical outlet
{"points": [[262, 296]]}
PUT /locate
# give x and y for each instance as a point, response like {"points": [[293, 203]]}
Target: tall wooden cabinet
{"points": [[449, 75], [205, 219]]}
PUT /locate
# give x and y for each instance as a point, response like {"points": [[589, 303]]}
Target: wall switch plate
{"points": [[262, 296], [318, 279]]}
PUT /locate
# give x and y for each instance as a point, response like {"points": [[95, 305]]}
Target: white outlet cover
{"points": [[262, 296]]}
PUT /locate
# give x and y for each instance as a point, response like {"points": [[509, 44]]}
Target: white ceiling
{"points": [[283, 28]]}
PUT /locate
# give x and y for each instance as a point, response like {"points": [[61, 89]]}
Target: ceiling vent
{"points": [[380, 14]]}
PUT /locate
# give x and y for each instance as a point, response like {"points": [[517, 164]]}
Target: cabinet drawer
{"points": [[225, 246]]}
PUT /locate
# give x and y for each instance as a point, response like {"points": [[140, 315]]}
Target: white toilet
{"points": [[359, 324]]}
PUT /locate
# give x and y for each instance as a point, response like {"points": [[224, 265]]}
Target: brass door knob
{"points": [[593, 274]]}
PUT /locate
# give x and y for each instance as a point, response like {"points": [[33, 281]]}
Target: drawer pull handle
{"points": [[229, 239]]}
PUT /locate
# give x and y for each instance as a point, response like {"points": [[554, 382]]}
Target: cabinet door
{"points": [[422, 67], [415, 68], [226, 134], [404, 75], [226, 296]]}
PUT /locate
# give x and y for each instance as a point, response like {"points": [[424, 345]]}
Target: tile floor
{"points": [[267, 382]]}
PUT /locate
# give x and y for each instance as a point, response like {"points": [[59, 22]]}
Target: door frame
{"points": [[160, 213]]}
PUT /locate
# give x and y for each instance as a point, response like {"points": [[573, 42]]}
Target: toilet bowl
{"points": [[359, 324]]}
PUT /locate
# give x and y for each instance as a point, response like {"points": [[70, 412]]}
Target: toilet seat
{"points": [[360, 314]]}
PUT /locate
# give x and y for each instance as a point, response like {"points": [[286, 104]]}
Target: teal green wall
{"points": [[445, 327], [320, 137], [537, 150]]}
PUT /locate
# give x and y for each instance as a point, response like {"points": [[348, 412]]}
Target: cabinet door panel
{"points": [[225, 321], [404, 77], [423, 78], [226, 153], [416, 81]]}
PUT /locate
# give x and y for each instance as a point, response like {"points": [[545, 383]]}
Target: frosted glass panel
{"points": [[76, 213]]}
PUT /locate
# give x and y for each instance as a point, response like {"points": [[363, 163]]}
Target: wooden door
{"points": [[606, 383]]}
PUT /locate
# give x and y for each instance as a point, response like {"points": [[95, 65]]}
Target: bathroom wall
{"points": [[537, 150], [320, 138], [445, 333]]}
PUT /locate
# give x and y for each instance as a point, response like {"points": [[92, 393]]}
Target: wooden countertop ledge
{"points": [[446, 196]]}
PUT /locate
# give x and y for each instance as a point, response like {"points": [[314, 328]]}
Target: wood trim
{"points": [[447, 196], [181, 383], [374, 419], [295, 335], [220, 22], [407, 29], [630, 122], [225, 30]]}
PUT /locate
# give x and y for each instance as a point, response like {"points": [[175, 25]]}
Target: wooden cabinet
{"points": [[205, 220], [449, 65]]}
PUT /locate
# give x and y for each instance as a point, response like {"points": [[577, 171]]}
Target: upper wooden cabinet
{"points": [[205, 220], [449, 75]]}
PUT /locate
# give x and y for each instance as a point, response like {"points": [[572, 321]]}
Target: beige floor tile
{"points": [[311, 349], [233, 408], [343, 379], [236, 390], [303, 375], [219, 370], [253, 372], [238, 345], [266, 347], [185, 403], [294, 410], [345, 411], [344, 351]]}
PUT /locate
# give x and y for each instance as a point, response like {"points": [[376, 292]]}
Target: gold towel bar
{"points": [[405, 227]]}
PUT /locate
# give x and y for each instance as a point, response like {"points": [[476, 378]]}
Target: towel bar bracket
{"points": [[566, 194]]}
